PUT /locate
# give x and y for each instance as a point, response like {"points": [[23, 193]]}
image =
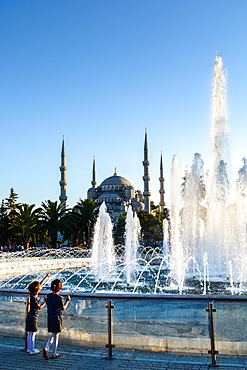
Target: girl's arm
{"points": [[43, 280], [40, 306], [68, 299]]}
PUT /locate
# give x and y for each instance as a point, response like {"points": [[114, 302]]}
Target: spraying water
{"points": [[133, 230], [178, 253], [165, 237], [103, 256], [210, 220]]}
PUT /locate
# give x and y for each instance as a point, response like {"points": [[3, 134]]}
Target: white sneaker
{"points": [[35, 352], [28, 350]]}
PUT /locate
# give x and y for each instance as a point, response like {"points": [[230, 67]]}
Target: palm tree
{"points": [[86, 214], [55, 218], [24, 222]]}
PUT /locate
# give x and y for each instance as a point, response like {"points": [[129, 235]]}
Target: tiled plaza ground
{"points": [[76, 357]]}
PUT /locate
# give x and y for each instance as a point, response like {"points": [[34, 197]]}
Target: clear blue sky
{"points": [[99, 72]]}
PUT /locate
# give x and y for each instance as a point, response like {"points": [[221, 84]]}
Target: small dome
{"points": [[115, 180], [92, 189]]}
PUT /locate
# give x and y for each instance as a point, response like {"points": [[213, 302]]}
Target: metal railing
{"points": [[189, 323]]}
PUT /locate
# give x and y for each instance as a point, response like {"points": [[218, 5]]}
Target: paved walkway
{"points": [[78, 357]]}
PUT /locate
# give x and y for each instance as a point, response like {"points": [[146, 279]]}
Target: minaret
{"points": [[91, 193], [146, 177], [94, 182], [162, 188], [63, 182]]}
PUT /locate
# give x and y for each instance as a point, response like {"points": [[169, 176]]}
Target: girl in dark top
{"points": [[32, 316], [55, 305]]}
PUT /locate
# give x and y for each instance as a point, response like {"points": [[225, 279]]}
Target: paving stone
{"points": [[76, 357]]}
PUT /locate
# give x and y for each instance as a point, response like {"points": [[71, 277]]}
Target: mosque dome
{"points": [[117, 193], [115, 180]]}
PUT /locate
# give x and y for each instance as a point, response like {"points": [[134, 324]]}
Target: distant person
{"points": [[32, 316], [55, 305]]}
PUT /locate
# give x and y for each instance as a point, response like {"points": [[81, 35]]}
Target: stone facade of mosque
{"points": [[117, 193]]}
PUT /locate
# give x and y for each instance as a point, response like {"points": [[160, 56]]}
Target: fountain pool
{"points": [[204, 249]]}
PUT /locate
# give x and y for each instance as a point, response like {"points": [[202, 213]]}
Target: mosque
{"points": [[116, 191]]}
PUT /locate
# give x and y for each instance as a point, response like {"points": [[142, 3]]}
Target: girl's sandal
{"points": [[45, 353], [55, 356]]}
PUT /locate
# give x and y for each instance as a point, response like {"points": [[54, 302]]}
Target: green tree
{"points": [[120, 229], [151, 225], [86, 214], [24, 222], [11, 201], [55, 218], [4, 225]]}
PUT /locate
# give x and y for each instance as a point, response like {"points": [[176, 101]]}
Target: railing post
{"points": [[109, 306], [213, 352], [27, 303]]}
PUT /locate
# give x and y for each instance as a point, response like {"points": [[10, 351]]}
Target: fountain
{"points": [[103, 256], [204, 247], [133, 230], [207, 217]]}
